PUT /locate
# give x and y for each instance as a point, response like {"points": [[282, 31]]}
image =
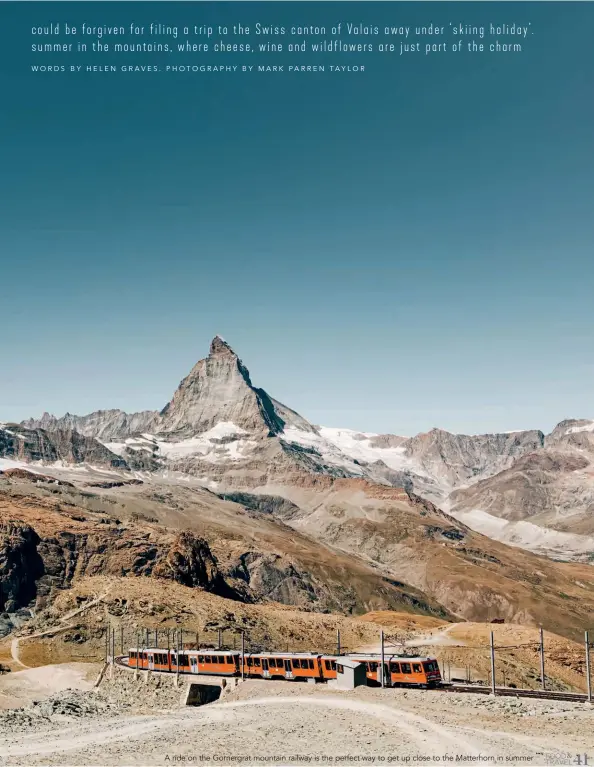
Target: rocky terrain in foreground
{"points": [[279, 723]]}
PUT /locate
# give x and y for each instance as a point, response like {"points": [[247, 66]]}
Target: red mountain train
{"points": [[400, 670]]}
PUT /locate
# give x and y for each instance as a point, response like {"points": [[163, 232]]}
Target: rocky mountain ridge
{"points": [[220, 428]]}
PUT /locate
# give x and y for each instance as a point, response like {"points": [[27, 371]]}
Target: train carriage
{"points": [[400, 670], [216, 662], [291, 666]]}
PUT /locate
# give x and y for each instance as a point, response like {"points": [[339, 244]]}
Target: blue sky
{"points": [[393, 251]]}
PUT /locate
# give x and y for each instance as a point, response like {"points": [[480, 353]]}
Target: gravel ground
{"points": [[279, 723]]}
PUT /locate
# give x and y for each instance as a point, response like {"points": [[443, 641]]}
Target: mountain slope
{"points": [[53, 535]]}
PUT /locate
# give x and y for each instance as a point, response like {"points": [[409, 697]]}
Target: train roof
{"points": [[200, 651], [388, 656], [285, 654]]}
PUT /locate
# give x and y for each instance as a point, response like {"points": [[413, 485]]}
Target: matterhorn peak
{"points": [[219, 347], [218, 389]]}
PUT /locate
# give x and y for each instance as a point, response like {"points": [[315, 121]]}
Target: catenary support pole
{"points": [[588, 677], [542, 661], [242, 655], [493, 689], [383, 666], [338, 641], [121, 640], [220, 639]]}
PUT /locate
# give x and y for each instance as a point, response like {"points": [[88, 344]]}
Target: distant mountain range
{"points": [[523, 488]]}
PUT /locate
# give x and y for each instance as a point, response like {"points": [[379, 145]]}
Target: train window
{"points": [[430, 665], [417, 668], [333, 665], [207, 659], [328, 666], [132, 655], [310, 663], [183, 660], [395, 668], [372, 666], [201, 659], [405, 668], [222, 659], [256, 661]]}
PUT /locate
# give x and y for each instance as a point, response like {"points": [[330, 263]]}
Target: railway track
{"points": [[513, 692], [510, 692]]}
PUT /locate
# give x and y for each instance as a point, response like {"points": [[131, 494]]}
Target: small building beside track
{"points": [[350, 673]]}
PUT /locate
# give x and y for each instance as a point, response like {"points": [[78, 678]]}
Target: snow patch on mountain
{"points": [[525, 535], [7, 463], [585, 427], [330, 453], [224, 441], [358, 445]]}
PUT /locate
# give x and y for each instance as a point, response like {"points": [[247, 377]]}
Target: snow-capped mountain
{"points": [[220, 428]]}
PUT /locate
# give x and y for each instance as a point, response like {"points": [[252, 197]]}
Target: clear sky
{"points": [[393, 251]]}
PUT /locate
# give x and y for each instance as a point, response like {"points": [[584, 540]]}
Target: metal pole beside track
{"points": [[121, 640], [588, 678], [542, 661], [338, 641], [242, 655], [383, 673], [112, 647], [177, 662], [493, 690]]}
